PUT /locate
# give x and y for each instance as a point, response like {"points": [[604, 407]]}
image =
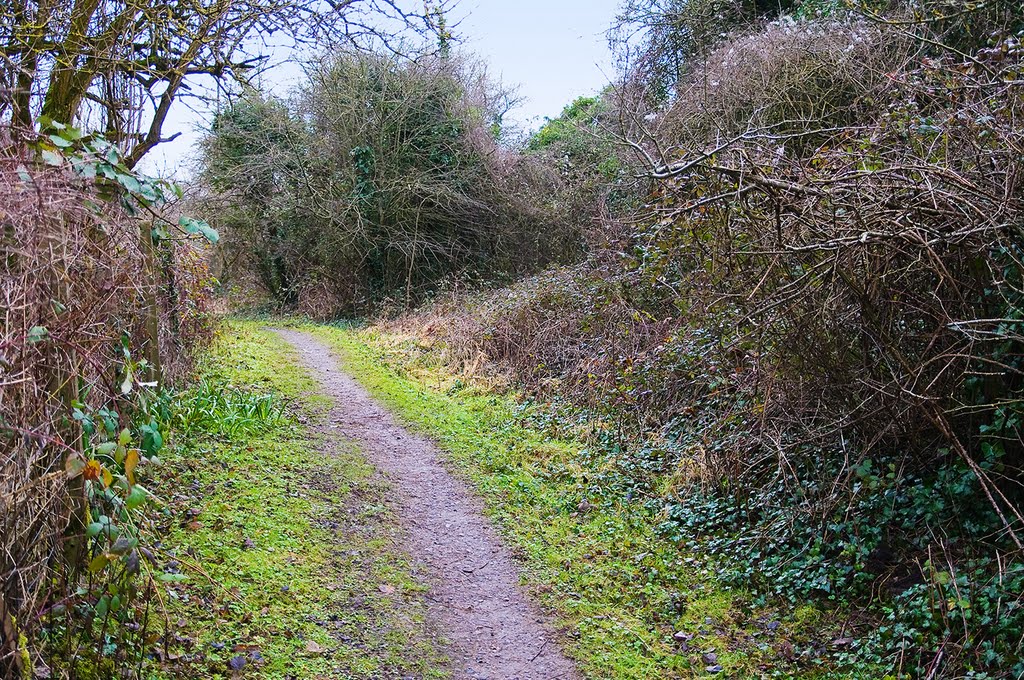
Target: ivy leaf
{"points": [[136, 498], [93, 529], [52, 157], [129, 182], [102, 606], [152, 440]]}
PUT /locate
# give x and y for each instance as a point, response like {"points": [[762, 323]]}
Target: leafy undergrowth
{"points": [[633, 604], [283, 539]]}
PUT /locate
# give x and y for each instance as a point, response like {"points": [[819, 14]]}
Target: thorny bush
{"points": [[91, 270]]}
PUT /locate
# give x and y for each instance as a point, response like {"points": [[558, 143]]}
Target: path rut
{"points": [[474, 596]]}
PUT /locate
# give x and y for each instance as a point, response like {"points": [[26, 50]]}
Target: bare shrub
{"points": [[801, 81], [74, 285], [818, 314]]}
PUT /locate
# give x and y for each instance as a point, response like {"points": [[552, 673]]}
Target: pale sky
{"points": [[551, 50]]}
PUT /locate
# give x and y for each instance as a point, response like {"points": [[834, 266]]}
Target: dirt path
{"points": [[494, 631]]}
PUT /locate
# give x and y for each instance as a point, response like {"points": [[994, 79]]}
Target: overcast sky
{"points": [[552, 50]]}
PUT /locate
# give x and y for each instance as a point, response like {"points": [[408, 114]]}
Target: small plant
{"points": [[104, 620], [215, 407]]}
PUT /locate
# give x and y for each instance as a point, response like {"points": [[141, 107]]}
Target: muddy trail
{"points": [[494, 632]]}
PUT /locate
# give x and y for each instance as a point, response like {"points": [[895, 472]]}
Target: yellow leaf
{"points": [[98, 563], [108, 478], [131, 459], [92, 470]]}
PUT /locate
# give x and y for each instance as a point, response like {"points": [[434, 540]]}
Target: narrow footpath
{"points": [[494, 631]]}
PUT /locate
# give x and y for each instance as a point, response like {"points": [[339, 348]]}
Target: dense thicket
{"points": [[98, 306], [807, 338], [381, 179]]}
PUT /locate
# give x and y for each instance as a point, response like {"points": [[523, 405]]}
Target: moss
{"points": [[26, 658], [287, 541]]}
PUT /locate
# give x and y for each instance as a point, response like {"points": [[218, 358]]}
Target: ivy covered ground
{"points": [[292, 567]]}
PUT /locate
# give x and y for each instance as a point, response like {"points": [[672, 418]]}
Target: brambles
{"points": [[814, 321], [85, 308]]}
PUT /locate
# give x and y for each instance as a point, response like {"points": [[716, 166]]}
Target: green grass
{"points": [[289, 552], [618, 590]]}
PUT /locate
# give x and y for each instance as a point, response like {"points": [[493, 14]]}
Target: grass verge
{"points": [[283, 537], [632, 604]]}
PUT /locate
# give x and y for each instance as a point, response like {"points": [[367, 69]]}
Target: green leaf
{"points": [[37, 334], [152, 440], [60, 142], [129, 182], [87, 170], [98, 563], [52, 157], [102, 606], [199, 227], [93, 530], [106, 448], [136, 498]]}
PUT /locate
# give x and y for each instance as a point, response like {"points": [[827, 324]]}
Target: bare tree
{"points": [[125, 62]]}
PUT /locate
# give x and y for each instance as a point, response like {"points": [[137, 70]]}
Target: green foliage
{"points": [[581, 113], [582, 145], [214, 408], [105, 618], [101, 162]]}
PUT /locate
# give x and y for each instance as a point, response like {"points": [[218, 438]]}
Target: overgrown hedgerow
{"points": [[816, 317]]}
